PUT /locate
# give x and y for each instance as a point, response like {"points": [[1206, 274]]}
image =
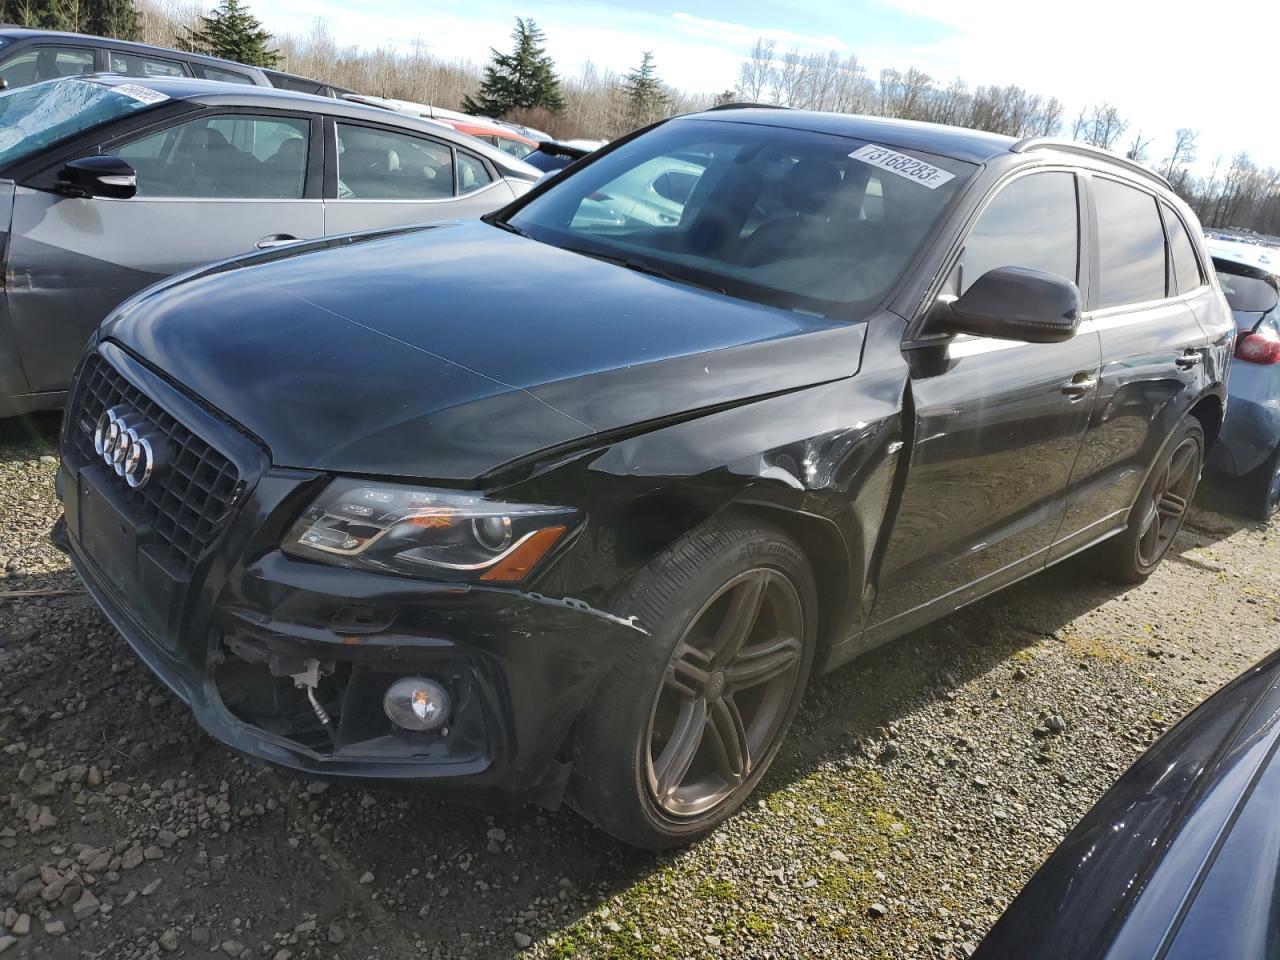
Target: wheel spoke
{"points": [[687, 673], [1179, 464], [1171, 505], [733, 753], [673, 764], [741, 615], [1150, 536], [763, 662]]}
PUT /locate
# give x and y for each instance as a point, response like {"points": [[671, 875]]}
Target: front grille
{"points": [[189, 498]]}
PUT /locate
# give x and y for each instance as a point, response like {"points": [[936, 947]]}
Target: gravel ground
{"points": [[919, 789]]}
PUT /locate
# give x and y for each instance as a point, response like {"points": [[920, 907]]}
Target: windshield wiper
{"points": [[509, 227], [642, 266]]}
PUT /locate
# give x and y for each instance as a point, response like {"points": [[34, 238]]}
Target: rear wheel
{"points": [[682, 731], [1263, 491], [1160, 510]]}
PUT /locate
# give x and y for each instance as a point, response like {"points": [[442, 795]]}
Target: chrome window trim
{"points": [[455, 199]]}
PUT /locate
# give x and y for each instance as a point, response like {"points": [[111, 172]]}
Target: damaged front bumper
{"points": [[263, 647]]}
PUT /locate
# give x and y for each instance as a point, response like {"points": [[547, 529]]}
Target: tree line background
{"points": [[522, 84]]}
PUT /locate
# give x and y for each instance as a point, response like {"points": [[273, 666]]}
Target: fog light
{"points": [[415, 703]]}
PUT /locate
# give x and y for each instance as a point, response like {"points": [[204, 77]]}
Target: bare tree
{"points": [[1138, 148], [755, 74], [1099, 126], [1184, 151]]}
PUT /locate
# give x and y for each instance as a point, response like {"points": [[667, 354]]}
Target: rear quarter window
{"points": [[1186, 265]]}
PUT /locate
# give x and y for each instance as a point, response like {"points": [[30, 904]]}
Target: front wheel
{"points": [[682, 731], [1160, 510]]}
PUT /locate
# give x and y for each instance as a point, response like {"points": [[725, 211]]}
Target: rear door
{"points": [[998, 423], [380, 177], [208, 188], [1153, 352]]}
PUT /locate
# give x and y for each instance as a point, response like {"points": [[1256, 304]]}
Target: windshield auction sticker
{"points": [[909, 168], [140, 93]]}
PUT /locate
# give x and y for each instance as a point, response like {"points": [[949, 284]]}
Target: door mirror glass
{"points": [[1016, 303], [102, 176]]}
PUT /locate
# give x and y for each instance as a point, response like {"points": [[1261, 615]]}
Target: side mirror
{"points": [[4, 84], [1016, 303], [101, 176]]}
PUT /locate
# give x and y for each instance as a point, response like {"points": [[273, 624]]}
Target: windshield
{"points": [[787, 217], [32, 118]]}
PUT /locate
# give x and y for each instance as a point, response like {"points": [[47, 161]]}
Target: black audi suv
{"points": [[572, 501]]}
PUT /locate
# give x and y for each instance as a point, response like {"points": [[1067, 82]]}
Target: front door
{"points": [[208, 189], [389, 178], [997, 424]]}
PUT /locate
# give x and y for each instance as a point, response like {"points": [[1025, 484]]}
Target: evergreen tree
{"points": [[103, 18], [37, 14], [233, 33], [109, 18], [526, 77], [646, 96]]}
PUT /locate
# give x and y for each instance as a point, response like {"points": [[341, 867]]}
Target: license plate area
{"points": [[118, 548]]}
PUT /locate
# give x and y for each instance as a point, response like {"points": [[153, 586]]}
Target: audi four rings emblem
{"points": [[123, 449]]}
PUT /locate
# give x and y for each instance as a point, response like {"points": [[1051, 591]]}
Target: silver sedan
{"points": [[108, 184]]}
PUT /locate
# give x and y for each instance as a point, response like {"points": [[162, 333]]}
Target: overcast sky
{"points": [[1165, 65]]}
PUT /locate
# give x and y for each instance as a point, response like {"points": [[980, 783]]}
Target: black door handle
{"points": [[1079, 386], [1189, 359]]}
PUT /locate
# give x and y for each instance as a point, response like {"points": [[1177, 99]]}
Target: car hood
{"points": [[447, 352]]}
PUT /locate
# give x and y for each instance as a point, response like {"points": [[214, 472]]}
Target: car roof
{"points": [[24, 33], [215, 94], [958, 143]]}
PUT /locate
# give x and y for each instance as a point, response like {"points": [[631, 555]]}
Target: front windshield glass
{"points": [[780, 216], [33, 117]]}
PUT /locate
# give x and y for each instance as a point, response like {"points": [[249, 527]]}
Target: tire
{"points": [[638, 773], [1133, 555], [1262, 490]]}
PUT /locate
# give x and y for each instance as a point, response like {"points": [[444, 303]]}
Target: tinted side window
{"points": [[222, 76], [231, 156], [1186, 267], [296, 84], [1131, 249], [133, 65], [472, 174], [47, 63], [1032, 222], [517, 148], [381, 165]]}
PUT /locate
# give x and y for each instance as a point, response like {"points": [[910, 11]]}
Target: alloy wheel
{"points": [[1169, 501], [725, 693]]}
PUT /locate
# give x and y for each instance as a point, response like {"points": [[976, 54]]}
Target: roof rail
{"points": [[746, 106], [1085, 150]]}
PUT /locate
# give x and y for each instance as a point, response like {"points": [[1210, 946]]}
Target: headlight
{"points": [[426, 533]]}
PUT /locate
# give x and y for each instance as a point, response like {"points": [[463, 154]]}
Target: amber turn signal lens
{"points": [[515, 565]]}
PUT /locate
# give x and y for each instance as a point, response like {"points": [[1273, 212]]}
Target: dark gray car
{"points": [[108, 184]]}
